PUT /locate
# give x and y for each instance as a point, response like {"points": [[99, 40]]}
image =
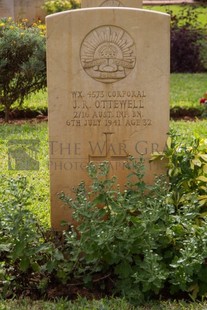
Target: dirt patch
{"points": [[25, 116], [178, 113], [25, 120]]}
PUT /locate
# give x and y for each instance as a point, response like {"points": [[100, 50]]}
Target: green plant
{"points": [[138, 239], [187, 167], [187, 173], [30, 256], [22, 62], [138, 243], [176, 9], [113, 238], [22, 248], [54, 6], [188, 42]]}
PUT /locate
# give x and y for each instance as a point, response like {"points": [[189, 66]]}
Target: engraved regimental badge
{"points": [[108, 54], [113, 3]]}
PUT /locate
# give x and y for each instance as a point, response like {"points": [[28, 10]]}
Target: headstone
{"points": [[30, 9], [111, 3], [108, 84], [20, 9], [6, 8]]}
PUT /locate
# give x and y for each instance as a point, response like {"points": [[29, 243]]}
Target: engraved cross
{"points": [[107, 155]]}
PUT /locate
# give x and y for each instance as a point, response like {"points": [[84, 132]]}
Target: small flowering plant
{"points": [[54, 6], [203, 102]]}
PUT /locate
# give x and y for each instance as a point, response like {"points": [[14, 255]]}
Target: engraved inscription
{"points": [[109, 108], [113, 3], [108, 54]]}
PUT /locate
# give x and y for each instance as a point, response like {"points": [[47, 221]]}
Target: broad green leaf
{"points": [[192, 165], [202, 197], [196, 162], [100, 199], [24, 264], [203, 156], [58, 255], [156, 156], [203, 274], [18, 250], [123, 270], [205, 168], [169, 142], [204, 214], [201, 178], [35, 266], [202, 200], [5, 247], [195, 290]]}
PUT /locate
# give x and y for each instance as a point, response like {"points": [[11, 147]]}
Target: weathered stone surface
{"points": [[108, 84], [29, 9], [111, 3], [19, 9], [6, 8]]}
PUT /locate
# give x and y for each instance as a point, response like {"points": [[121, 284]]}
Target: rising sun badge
{"points": [[108, 54]]}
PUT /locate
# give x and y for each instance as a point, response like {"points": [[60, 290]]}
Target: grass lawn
{"points": [[201, 11], [38, 179], [185, 91], [104, 304]]}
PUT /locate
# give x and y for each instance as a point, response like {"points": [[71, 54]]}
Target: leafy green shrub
{"points": [[118, 232], [187, 173], [187, 167], [54, 6], [31, 258], [188, 42], [23, 249], [141, 243], [22, 61], [139, 239]]}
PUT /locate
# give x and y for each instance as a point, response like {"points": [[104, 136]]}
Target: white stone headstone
{"points": [[108, 84], [30, 9]]}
